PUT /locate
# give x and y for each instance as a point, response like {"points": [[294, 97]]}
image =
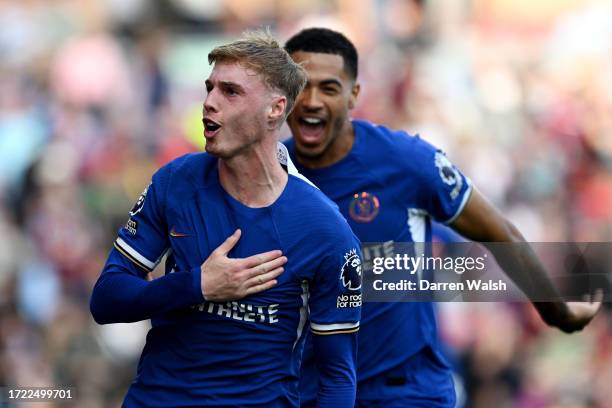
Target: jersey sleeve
{"points": [[121, 293], [335, 358], [446, 188], [144, 238], [335, 293], [335, 310]]}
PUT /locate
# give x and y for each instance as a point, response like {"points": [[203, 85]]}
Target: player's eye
{"points": [[330, 90], [230, 91]]}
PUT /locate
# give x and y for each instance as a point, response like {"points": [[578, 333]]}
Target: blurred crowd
{"points": [[95, 95]]}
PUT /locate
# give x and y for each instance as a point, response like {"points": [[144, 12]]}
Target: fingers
{"points": [[260, 288], [229, 243], [266, 267], [258, 259], [596, 301], [598, 296], [263, 278]]}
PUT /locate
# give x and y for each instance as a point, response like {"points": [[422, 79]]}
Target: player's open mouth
{"points": [[311, 128], [210, 127]]}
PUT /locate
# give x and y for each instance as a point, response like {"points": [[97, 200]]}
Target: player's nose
{"points": [[311, 100], [210, 104]]}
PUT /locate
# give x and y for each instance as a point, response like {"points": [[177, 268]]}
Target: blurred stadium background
{"points": [[94, 95]]}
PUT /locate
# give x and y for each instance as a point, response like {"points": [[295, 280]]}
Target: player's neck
{"points": [[337, 150], [254, 177]]}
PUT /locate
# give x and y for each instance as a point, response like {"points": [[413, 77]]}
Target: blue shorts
{"points": [[424, 381]]}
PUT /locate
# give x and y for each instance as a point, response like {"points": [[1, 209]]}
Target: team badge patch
{"points": [[351, 271], [140, 203], [364, 207], [448, 173]]}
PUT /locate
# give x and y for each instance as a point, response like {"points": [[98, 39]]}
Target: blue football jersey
{"points": [[243, 353], [389, 187]]}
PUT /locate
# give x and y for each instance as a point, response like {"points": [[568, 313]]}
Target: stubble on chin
{"points": [[210, 148]]}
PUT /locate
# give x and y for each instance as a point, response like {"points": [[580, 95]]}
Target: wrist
{"points": [[553, 313], [198, 282]]}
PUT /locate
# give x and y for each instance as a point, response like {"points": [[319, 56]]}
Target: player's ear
{"points": [[278, 108], [354, 94]]}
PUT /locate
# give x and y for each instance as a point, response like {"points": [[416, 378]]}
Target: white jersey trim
{"points": [[303, 313], [283, 157], [417, 225], [464, 200], [134, 254], [333, 326]]}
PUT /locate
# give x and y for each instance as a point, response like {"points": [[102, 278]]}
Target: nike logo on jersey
{"points": [[173, 233]]}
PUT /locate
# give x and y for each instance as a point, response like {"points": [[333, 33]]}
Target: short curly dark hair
{"points": [[326, 41]]}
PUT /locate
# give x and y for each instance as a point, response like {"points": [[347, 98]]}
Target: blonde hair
{"points": [[259, 51]]}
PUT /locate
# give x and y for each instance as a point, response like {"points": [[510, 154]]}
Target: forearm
{"points": [[480, 221], [121, 296], [336, 360], [521, 264]]}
